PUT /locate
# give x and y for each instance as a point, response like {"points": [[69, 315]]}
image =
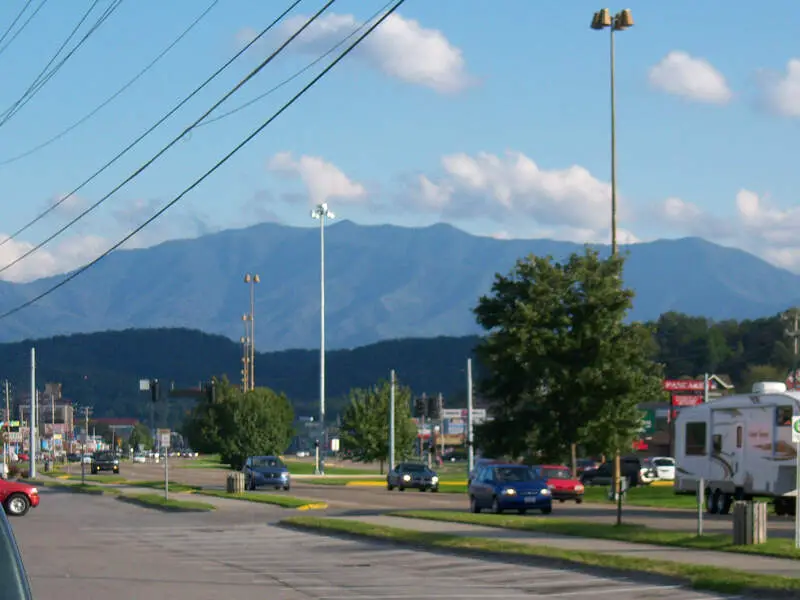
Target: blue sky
{"points": [[491, 116]]}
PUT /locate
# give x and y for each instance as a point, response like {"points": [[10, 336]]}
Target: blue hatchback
{"points": [[509, 487]]}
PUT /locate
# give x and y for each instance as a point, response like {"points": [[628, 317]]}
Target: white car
{"points": [[657, 468], [139, 458]]}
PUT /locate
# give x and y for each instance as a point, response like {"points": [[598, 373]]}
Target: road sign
{"points": [[164, 436], [144, 385], [649, 422], [796, 430], [461, 413]]}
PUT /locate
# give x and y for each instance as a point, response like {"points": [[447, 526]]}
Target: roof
{"points": [[118, 421]]}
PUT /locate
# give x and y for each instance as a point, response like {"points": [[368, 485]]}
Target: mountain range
{"points": [[382, 282]]}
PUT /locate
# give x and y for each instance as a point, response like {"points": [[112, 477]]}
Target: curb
{"points": [[313, 506]]}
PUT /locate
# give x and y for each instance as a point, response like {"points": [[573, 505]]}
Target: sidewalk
{"points": [[750, 563]]}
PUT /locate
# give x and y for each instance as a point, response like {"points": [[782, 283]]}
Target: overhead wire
{"points": [[45, 75], [116, 94], [152, 128], [174, 141], [23, 26], [15, 21], [297, 74], [210, 171]]}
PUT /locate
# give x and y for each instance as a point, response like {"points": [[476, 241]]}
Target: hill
{"points": [[383, 282]]}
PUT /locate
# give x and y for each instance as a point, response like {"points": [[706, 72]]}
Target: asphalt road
{"points": [[80, 547], [354, 500]]}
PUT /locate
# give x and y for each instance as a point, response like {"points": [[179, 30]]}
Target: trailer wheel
{"points": [[712, 501], [725, 502], [780, 507]]}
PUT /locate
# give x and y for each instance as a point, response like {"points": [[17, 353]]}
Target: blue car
{"points": [[502, 487], [266, 471]]}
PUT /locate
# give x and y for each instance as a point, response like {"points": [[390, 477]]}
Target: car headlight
{"points": [[406, 477], [510, 492], [434, 479], [579, 488], [545, 491]]}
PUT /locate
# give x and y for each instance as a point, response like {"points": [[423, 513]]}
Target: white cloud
{"points": [[399, 47], [680, 74], [69, 254], [323, 180], [781, 92]]}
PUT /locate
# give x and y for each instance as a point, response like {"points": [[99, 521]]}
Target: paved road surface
{"points": [[80, 547], [371, 500]]}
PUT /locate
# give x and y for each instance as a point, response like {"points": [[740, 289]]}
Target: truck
{"points": [[741, 448]]}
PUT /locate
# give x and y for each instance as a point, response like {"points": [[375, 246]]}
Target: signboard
{"points": [[144, 385], [461, 413], [687, 385], [796, 430], [14, 437], [334, 444], [164, 437], [686, 400], [649, 423]]}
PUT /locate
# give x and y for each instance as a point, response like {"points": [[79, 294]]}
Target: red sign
{"points": [[688, 385], [684, 400]]}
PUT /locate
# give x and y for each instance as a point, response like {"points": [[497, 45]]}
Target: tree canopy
{"points": [[364, 429], [237, 425], [562, 366]]}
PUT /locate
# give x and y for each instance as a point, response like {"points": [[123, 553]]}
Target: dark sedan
{"points": [[266, 471], [105, 461], [413, 476]]}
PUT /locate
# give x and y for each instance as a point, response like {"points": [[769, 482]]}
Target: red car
{"points": [[17, 498], [561, 483]]}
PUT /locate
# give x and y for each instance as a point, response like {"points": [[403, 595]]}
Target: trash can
{"points": [[235, 483], [749, 523]]}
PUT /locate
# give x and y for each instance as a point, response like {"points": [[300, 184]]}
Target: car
{"points": [[268, 471], [631, 468], [502, 487], [481, 462], [413, 476], [15, 584], [657, 468], [139, 458], [17, 497], [105, 461], [563, 486]]}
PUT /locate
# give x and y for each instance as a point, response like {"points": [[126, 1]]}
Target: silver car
{"points": [[266, 471]]}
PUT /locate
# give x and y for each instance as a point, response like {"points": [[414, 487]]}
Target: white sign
{"points": [[461, 413], [144, 385], [796, 430], [164, 437], [334, 444]]}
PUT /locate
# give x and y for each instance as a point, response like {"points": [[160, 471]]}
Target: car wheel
{"points": [[711, 501], [522, 511], [496, 506], [17, 505], [389, 487], [435, 489], [562, 500], [286, 488], [473, 505], [251, 485], [402, 489], [578, 500], [547, 510]]}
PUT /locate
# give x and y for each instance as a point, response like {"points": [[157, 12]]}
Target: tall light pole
{"points": [[321, 213], [252, 280], [619, 22]]}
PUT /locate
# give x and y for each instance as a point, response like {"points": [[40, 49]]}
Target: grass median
{"points": [[93, 478], [159, 485], [80, 488], [158, 501], [637, 534], [273, 499], [717, 579]]}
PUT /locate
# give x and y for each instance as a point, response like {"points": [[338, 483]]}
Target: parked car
{"points": [[266, 471], [664, 467], [503, 487], [139, 458], [15, 585], [105, 461], [17, 497], [413, 476], [563, 486], [630, 466]]}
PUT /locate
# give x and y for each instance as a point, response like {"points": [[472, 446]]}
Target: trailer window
{"points": [[695, 439], [784, 416], [739, 436]]}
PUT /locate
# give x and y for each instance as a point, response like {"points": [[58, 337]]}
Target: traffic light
{"points": [[420, 407], [155, 390], [435, 407]]}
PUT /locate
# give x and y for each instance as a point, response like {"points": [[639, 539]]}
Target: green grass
{"points": [[639, 534], [98, 478], [80, 488], [307, 468], [655, 497], [173, 505], [159, 485], [274, 499], [722, 580]]}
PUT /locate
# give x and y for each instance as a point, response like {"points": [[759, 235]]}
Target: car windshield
{"points": [[664, 462], [14, 583], [557, 473], [412, 468], [104, 456], [513, 474], [264, 462]]}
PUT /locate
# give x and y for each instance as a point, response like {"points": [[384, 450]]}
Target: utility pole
{"points": [[86, 411], [6, 442], [34, 398], [793, 316], [440, 401], [470, 449], [391, 420]]}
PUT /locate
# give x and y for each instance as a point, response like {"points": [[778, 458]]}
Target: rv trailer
{"points": [[741, 447]]}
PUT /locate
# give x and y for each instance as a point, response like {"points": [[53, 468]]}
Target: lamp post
{"points": [[321, 212], [252, 280], [621, 21]]}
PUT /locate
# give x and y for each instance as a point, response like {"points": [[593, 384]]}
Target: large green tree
{"points": [[140, 434], [563, 369], [364, 430]]}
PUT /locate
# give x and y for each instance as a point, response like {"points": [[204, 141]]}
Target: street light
{"points": [[245, 359], [252, 280], [321, 212], [620, 22]]}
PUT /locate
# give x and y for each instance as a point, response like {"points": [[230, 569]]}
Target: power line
{"points": [[46, 76], [116, 94], [208, 173], [152, 128], [23, 26], [14, 22], [174, 141], [297, 74]]}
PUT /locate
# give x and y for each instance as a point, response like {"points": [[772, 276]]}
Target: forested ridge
{"points": [[103, 369]]}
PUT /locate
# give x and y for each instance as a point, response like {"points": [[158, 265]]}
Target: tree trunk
{"points": [[381, 463], [574, 453]]}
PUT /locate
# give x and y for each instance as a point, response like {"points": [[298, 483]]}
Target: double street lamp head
{"points": [[321, 210], [254, 278], [620, 22]]}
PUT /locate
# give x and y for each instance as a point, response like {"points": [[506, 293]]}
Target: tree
{"points": [[259, 422], [563, 369], [204, 424], [140, 434], [364, 430]]}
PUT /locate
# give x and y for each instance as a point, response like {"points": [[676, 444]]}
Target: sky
{"points": [[493, 117]]}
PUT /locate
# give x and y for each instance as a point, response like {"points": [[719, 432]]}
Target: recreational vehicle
{"points": [[741, 447]]}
